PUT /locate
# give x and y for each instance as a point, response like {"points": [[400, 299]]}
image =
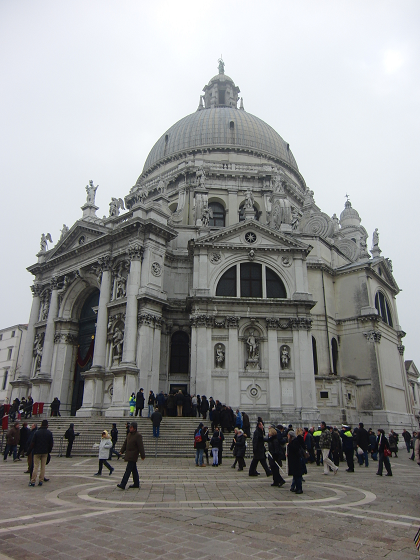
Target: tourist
{"points": [[373, 448], [24, 434], [347, 439], [393, 443], [12, 441], [233, 447], [104, 449], [215, 444], [156, 419], [325, 440], [151, 403], [316, 435], [186, 406], [309, 444], [70, 436], [407, 439], [384, 453], [417, 449], [275, 457], [413, 444], [55, 407], [114, 439], [160, 401], [194, 406], [240, 449], [200, 439], [132, 448], [132, 403], [238, 420], [29, 407], [246, 425], [29, 452], [204, 406], [296, 444], [41, 444], [363, 443], [259, 451], [140, 402]]}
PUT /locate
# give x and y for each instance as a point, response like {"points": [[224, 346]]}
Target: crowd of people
{"points": [[323, 446]]}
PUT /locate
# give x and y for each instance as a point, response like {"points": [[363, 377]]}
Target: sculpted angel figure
{"points": [[91, 192], [44, 239], [115, 205]]}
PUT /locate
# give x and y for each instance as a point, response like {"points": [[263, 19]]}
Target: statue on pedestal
{"points": [[285, 357], [249, 198], [115, 205], [220, 355], [91, 192], [44, 239], [117, 345], [253, 351], [375, 238]]}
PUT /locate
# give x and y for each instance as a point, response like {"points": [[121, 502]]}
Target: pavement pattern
{"points": [[183, 512]]}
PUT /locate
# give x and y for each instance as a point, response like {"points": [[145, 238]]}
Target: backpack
{"points": [[66, 435], [198, 438]]}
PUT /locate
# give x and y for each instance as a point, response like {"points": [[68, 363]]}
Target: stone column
{"points": [[305, 379], [233, 216], [233, 362], [25, 370], [47, 353], [130, 332], [273, 370], [199, 323], [99, 354]]}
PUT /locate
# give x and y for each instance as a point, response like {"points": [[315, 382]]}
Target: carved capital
{"points": [[201, 320], [105, 262], [149, 320], [232, 322], [54, 283], [373, 336], [300, 323], [135, 252], [401, 349], [272, 323], [36, 290]]}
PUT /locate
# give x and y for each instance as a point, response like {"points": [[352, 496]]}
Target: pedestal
{"points": [[41, 389], [125, 382], [20, 388], [92, 393], [249, 213]]}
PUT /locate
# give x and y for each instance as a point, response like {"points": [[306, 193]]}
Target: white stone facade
{"points": [[12, 343], [224, 277]]}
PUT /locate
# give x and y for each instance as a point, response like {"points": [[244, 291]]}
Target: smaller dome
{"points": [[221, 78], [349, 216]]}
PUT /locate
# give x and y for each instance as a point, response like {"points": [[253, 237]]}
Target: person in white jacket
{"points": [[104, 449]]}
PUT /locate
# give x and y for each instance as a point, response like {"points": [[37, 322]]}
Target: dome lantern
{"points": [[349, 216], [221, 90]]}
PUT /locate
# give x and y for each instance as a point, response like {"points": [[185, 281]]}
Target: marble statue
{"points": [[220, 355], [249, 198], [117, 343], [375, 238], [44, 239], [285, 357], [200, 177], [252, 345], [161, 187], [278, 182], [206, 215], [336, 223], [221, 66], [91, 192], [115, 205], [295, 219], [121, 287], [64, 231], [38, 349]]}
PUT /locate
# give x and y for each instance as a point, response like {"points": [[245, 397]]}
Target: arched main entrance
{"points": [[87, 328]]}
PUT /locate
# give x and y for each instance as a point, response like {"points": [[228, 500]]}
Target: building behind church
{"points": [[219, 275]]}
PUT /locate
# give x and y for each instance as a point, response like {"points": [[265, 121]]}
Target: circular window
{"points": [[254, 392], [250, 237]]}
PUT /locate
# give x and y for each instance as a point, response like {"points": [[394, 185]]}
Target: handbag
{"points": [[387, 452]]}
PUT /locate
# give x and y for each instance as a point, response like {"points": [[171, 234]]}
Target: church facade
{"points": [[221, 276]]}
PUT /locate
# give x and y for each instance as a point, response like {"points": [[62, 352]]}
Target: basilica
{"points": [[219, 275]]}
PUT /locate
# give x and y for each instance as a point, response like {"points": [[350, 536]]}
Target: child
{"points": [[215, 444], [104, 448]]}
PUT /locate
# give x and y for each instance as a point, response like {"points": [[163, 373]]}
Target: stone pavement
{"points": [[183, 512]]}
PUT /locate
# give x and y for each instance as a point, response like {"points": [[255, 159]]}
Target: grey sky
{"points": [[88, 87]]}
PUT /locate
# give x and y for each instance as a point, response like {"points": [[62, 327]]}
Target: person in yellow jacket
{"points": [[316, 435], [132, 403]]}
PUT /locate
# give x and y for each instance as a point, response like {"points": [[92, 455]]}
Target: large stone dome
{"points": [[220, 127], [213, 128]]}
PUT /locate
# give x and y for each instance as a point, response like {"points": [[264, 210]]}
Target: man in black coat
{"points": [[363, 443], [259, 450], [156, 419], [24, 434], [140, 402], [70, 436], [41, 444]]}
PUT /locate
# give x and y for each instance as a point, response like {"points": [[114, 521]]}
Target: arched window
{"points": [[383, 308], [218, 218], [255, 280], [334, 352], [242, 213], [314, 356], [180, 353]]}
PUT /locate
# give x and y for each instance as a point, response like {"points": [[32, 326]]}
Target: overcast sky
{"points": [[87, 87]]}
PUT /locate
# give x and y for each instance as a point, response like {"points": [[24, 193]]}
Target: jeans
{"points": [[407, 444], [296, 484], [150, 410], [42, 458], [103, 462], [215, 452], [199, 456], [156, 431], [8, 448], [131, 469], [364, 458], [384, 461]]}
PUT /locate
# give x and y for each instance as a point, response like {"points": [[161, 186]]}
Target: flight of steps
{"points": [[176, 435]]}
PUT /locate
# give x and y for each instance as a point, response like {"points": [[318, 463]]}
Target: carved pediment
{"points": [[383, 269], [80, 234], [250, 234]]}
